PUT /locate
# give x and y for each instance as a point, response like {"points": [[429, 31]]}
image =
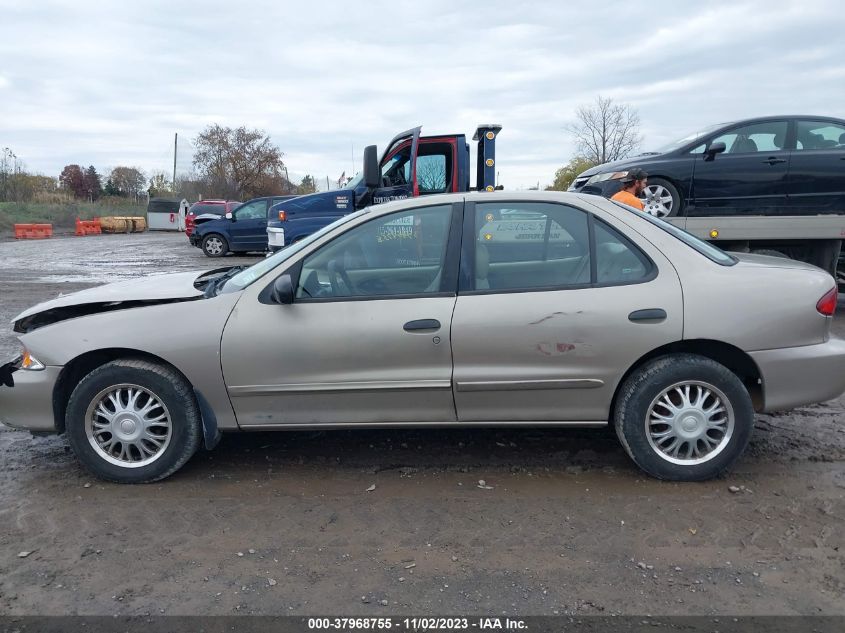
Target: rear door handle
{"points": [[422, 325], [650, 314], [773, 160]]}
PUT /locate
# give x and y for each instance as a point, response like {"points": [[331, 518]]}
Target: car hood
{"points": [[212, 223], [152, 290], [315, 204], [619, 165]]}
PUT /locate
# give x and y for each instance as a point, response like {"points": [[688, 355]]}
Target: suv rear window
{"points": [[199, 209]]}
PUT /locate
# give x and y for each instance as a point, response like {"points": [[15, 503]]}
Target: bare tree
{"points": [[238, 162], [126, 181], [431, 174], [606, 130]]}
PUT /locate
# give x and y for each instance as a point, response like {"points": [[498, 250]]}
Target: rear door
{"points": [[749, 177], [550, 312], [249, 226], [817, 168]]}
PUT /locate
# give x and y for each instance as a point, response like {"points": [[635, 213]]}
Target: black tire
{"points": [[169, 387], [677, 201], [648, 382], [214, 245]]}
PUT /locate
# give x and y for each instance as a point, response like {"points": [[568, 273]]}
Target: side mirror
{"points": [[714, 148], [282, 292], [372, 174], [229, 216]]}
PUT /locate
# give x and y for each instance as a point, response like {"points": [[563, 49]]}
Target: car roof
{"points": [[481, 197]]}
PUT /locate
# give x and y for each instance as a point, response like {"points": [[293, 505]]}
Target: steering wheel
{"points": [[338, 274]]}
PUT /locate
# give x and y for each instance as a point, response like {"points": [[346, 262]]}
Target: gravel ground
{"points": [[284, 523]]}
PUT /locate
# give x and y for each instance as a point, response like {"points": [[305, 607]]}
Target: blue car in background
{"points": [[291, 220], [242, 230]]}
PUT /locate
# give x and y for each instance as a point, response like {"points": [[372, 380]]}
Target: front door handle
{"points": [[422, 325], [650, 314], [773, 160]]}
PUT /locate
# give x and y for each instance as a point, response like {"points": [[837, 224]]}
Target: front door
{"points": [[551, 313], [748, 178], [249, 227], [817, 168], [368, 337]]}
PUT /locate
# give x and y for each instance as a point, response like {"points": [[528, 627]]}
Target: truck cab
{"points": [[411, 166]]}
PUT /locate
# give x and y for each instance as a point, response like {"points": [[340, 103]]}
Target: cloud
{"points": [[110, 83]]}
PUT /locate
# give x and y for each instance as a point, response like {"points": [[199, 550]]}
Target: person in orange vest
{"points": [[633, 185]]}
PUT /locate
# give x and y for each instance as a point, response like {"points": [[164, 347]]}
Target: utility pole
{"points": [[175, 148]]}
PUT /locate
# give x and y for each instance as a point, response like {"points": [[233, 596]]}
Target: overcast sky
{"points": [[108, 83]]}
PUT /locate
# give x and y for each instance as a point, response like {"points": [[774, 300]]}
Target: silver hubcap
{"points": [[128, 425], [657, 200], [689, 423], [214, 246]]}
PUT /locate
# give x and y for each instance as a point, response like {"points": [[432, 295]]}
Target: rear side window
{"points": [[618, 261], [820, 135], [530, 245]]}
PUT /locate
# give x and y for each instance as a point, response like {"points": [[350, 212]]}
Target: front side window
{"points": [[252, 210], [820, 135], [769, 136], [396, 171], [397, 254], [434, 168]]}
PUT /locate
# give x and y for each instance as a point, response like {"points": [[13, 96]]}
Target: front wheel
{"points": [[683, 417], [214, 245], [661, 198], [133, 421]]}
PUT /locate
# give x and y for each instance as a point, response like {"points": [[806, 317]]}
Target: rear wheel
{"points": [[661, 198], [214, 245], [133, 421], [683, 417]]}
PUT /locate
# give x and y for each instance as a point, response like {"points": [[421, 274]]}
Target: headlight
{"points": [[608, 175], [28, 361]]}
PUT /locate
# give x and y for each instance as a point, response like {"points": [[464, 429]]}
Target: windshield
{"points": [[251, 274], [689, 138], [711, 252], [356, 180]]}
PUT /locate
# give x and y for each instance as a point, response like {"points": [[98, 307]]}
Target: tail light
{"points": [[827, 304], [283, 216]]}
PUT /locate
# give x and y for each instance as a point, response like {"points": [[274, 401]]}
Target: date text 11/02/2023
{"points": [[416, 624]]}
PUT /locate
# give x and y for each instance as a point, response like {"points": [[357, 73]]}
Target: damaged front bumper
{"points": [[26, 397]]}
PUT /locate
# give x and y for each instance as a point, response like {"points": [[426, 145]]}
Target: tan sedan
{"points": [[489, 309]]}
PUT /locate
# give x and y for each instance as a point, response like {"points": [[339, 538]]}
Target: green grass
{"points": [[63, 214]]}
